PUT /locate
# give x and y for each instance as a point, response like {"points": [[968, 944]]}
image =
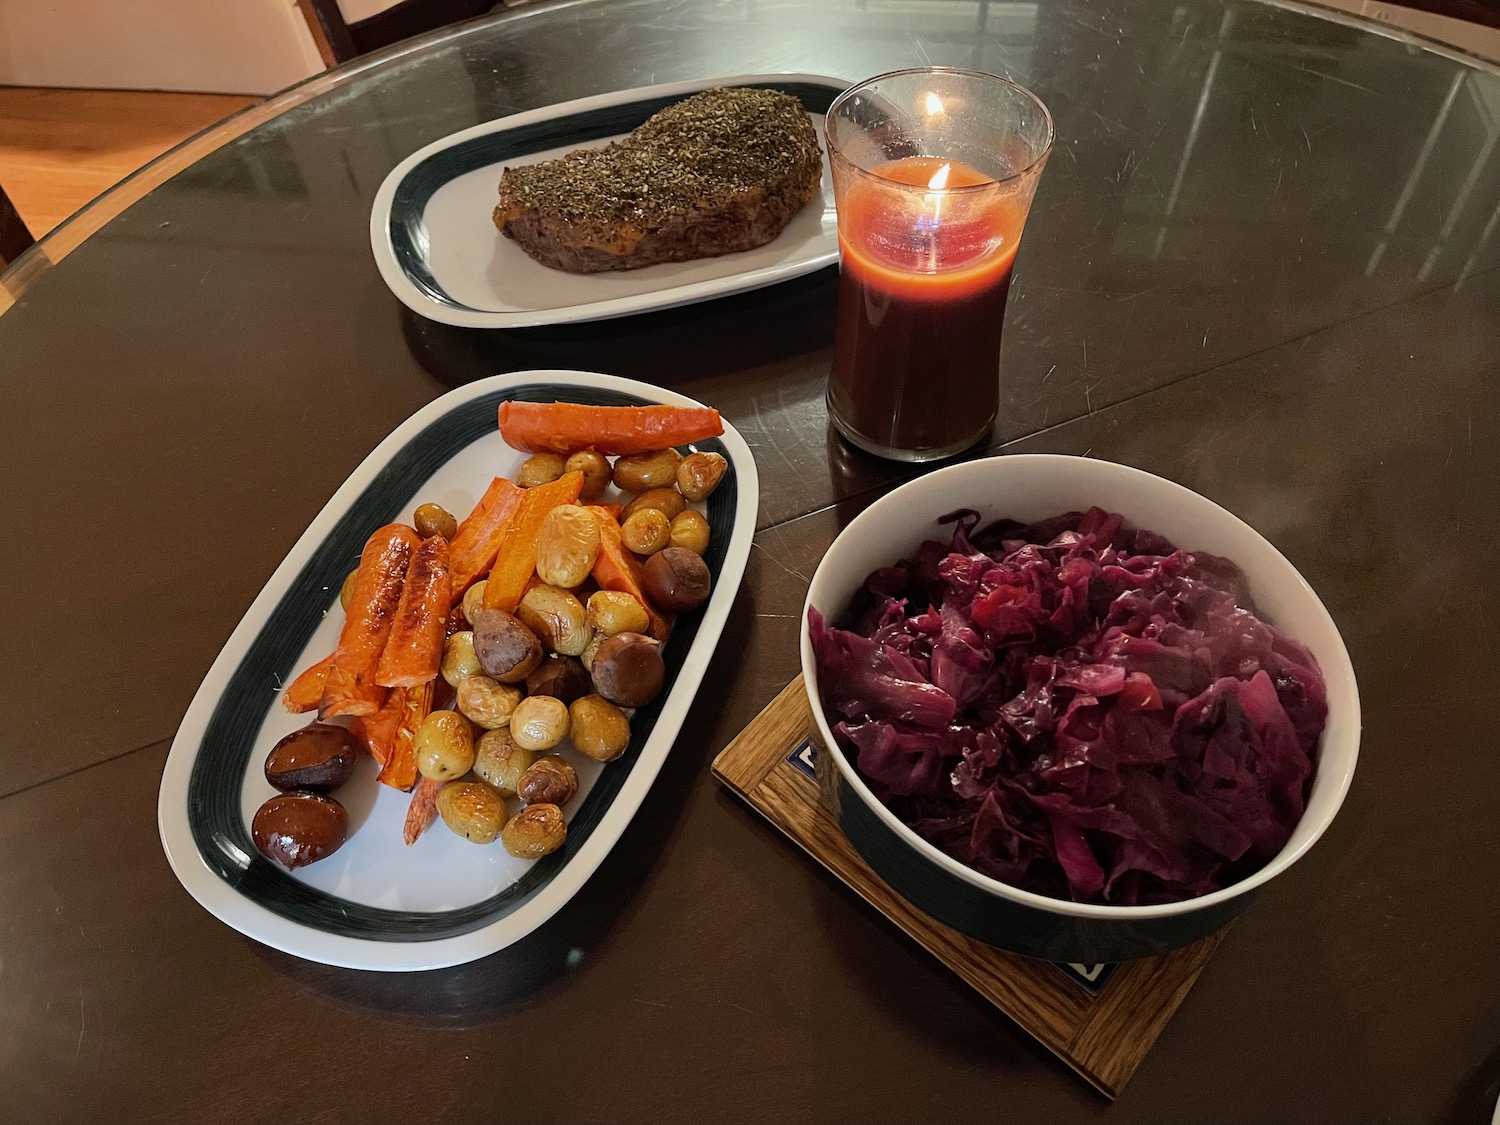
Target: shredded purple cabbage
{"points": [[1076, 709]]}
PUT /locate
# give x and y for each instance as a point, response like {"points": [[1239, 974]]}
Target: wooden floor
{"points": [[60, 148]]}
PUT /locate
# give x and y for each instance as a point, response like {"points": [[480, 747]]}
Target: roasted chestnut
{"points": [[298, 828], [319, 758], [562, 677], [507, 649], [628, 670], [676, 580]]}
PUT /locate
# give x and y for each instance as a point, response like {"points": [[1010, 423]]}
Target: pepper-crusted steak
{"points": [[723, 170]]}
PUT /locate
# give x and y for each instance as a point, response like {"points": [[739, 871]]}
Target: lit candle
{"points": [[924, 277], [926, 247]]}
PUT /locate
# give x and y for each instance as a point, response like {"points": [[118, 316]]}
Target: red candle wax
{"points": [[922, 286]]}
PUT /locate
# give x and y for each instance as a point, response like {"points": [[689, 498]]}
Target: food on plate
{"points": [[478, 655], [1076, 709], [540, 722], [558, 618], [612, 612], [434, 519], [499, 760], [486, 703], [676, 579], [414, 646], [445, 746], [515, 562], [460, 658], [565, 427], [548, 781], [350, 687], [472, 550], [699, 474], [319, 757], [298, 828], [668, 501], [507, 649], [647, 531], [535, 831], [346, 591], [566, 546], [627, 669], [690, 531], [472, 810], [598, 728], [562, 677], [596, 471], [541, 468], [640, 472], [721, 171]]}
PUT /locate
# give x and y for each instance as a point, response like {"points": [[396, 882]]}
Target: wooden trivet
{"points": [[1099, 1019]]}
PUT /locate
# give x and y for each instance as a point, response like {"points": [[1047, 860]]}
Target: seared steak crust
{"points": [[724, 170]]}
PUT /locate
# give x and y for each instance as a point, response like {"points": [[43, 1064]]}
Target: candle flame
{"points": [[934, 104], [940, 178]]}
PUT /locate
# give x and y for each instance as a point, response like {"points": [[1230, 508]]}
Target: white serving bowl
{"points": [[1033, 487]]}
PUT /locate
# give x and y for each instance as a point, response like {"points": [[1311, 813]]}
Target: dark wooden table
{"points": [[1262, 263]]}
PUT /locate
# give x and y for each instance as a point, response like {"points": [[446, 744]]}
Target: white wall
{"points": [[219, 46]]}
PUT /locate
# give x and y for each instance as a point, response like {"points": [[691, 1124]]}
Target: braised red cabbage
{"points": [[1075, 708]]}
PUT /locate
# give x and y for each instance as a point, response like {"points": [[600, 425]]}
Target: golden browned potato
{"points": [[598, 728], [637, 472], [613, 611], [699, 474], [539, 722], [558, 618], [566, 546], [542, 468], [549, 781], [500, 761], [433, 519], [486, 703], [586, 657], [690, 531], [647, 532], [459, 659], [595, 469], [666, 500], [445, 746], [535, 831], [474, 600], [472, 810]]}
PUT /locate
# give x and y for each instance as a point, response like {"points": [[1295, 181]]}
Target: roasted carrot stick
{"points": [[351, 688], [515, 562], [423, 809], [472, 551], [415, 644], [378, 731], [400, 772], [617, 569], [566, 427], [306, 691]]}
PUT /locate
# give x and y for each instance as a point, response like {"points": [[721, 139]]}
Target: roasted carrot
{"points": [[378, 731], [472, 551], [617, 569], [613, 507], [566, 427], [423, 809], [400, 771], [351, 688], [415, 644], [515, 562], [306, 691]]}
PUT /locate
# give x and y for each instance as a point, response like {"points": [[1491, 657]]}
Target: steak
{"points": [[724, 170]]}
